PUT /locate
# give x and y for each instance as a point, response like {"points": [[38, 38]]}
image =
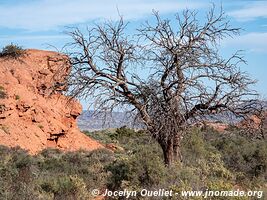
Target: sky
{"points": [[42, 24]]}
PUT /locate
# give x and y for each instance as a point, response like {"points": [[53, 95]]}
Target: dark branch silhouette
{"points": [[170, 74]]}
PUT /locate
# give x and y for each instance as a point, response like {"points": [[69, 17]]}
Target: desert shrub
{"points": [[202, 166], [243, 155], [51, 160], [12, 51], [132, 141], [141, 164], [143, 169], [194, 147], [5, 128], [103, 136], [211, 160], [118, 135], [65, 187], [119, 172], [52, 174], [16, 174], [123, 132], [89, 165], [3, 94], [40, 126], [152, 170], [17, 97], [2, 107], [127, 138]]}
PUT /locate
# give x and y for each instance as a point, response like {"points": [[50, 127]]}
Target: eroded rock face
{"points": [[34, 114], [254, 122]]}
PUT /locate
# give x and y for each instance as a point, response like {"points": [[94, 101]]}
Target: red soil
{"points": [[35, 114]]}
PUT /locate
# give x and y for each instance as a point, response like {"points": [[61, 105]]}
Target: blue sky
{"points": [[41, 23]]}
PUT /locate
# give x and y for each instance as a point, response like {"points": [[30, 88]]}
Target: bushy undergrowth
{"points": [[211, 161], [52, 174]]}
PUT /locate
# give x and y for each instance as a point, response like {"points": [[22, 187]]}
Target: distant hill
{"points": [[91, 122]]}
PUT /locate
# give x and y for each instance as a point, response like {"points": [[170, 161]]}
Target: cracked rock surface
{"points": [[34, 113]]}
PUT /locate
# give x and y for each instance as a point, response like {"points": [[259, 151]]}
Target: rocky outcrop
{"points": [[218, 126], [254, 123], [34, 114]]}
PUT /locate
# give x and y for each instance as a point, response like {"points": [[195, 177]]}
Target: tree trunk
{"points": [[177, 147], [171, 150], [168, 153]]}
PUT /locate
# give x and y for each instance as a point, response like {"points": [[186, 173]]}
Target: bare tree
{"points": [[170, 74]]}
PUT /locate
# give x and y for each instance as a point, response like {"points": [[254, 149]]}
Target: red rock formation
{"points": [[34, 114], [218, 126], [253, 122]]}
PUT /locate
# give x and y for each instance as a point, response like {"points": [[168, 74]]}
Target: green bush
{"points": [[52, 174], [141, 170], [16, 174], [89, 165], [211, 160], [12, 51], [246, 157], [65, 187], [103, 136]]}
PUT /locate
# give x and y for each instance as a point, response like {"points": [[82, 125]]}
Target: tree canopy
{"points": [[169, 72]]}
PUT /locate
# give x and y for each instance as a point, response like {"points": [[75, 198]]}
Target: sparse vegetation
{"points": [[17, 97], [3, 94], [12, 51], [207, 163], [40, 126], [2, 107], [211, 160], [4, 128]]}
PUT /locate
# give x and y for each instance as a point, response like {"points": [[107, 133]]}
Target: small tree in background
{"points": [[170, 73]]}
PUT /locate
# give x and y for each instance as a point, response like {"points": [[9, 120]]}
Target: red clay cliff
{"points": [[34, 114]]}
